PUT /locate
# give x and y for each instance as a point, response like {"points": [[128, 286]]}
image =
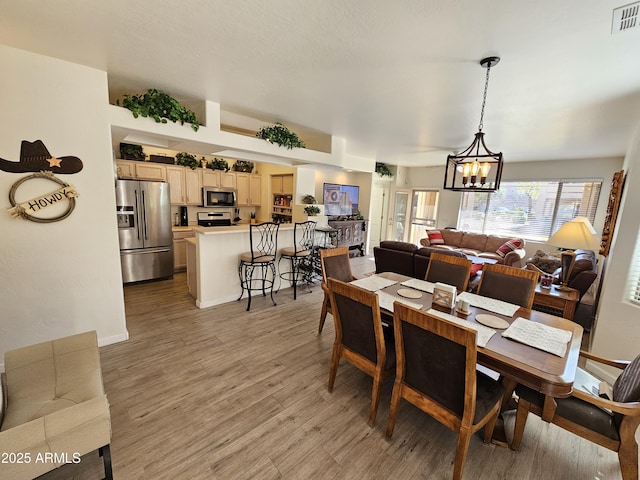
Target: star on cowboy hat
{"points": [[34, 157]]}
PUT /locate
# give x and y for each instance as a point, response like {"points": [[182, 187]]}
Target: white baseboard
{"points": [[123, 337]]}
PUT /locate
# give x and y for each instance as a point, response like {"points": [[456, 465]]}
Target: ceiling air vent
{"points": [[626, 18]]}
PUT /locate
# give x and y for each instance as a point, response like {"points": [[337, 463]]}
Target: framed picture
{"points": [[612, 212]]}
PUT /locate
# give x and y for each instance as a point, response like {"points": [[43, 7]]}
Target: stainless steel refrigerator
{"points": [[144, 229]]}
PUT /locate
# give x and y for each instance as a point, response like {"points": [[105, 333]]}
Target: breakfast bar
{"points": [[213, 261]]}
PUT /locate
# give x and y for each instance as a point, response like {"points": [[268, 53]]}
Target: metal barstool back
{"points": [[299, 255], [263, 242]]}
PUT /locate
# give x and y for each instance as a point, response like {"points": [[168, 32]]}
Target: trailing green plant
{"points": [[383, 170], [187, 160], [243, 166], [309, 199], [159, 106], [128, 151], [219, 164], [311, 210], [281, 135]]}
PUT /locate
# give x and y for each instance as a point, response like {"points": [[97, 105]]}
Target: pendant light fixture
{"points": [[476, 168]]}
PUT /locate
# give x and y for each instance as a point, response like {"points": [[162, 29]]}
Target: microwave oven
{"points": [[218, 197]]}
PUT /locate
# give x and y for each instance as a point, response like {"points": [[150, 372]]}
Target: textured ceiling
{"points": [[399, 80]]}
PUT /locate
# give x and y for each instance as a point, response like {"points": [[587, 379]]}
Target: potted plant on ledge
{"points": [[281, 135], [187, 160], [312, 210]]}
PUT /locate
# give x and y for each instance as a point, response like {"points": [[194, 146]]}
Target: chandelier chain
{"points": [[484, 97]]}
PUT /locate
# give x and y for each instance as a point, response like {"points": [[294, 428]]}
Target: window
{"points": [[634, 275], [531, 210], [424, 210]]}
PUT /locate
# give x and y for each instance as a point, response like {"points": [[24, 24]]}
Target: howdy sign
{"points": [[37, 204], [27, 208]]}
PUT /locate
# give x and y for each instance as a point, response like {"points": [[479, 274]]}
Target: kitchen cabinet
{"points": [[175, 178], [180, 248], [193, 186], [282, 184], [185, 185], [141, 170], [210, 178], [228, 180], [249, 187]]}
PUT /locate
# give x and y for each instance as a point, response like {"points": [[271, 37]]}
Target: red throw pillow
{"points": [[435, 237], [475, 268], [510, 246]]}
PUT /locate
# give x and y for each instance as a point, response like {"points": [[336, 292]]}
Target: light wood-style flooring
{"points": [[221, 393]]}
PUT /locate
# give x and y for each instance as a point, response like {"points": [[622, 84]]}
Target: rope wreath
{"points": [[20, 211]]}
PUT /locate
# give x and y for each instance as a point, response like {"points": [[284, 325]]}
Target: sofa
{"points": [[505, 250], [54, 407], [585, 268], [405, 258]]}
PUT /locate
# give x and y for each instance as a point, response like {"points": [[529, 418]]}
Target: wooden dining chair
{"points": [[610, 423], [334, 263], [359, 337], [436, 372], [449, 269], [509, 284]]}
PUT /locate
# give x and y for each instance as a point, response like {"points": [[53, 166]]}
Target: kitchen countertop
{"points": [[244, 227]]}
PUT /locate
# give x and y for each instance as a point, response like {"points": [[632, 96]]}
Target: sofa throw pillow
{"points": [[475, 268], [435, 237], [510, 246]]}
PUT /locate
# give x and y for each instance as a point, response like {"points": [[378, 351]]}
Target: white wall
{"points": [[59, 278], [617, 332]]}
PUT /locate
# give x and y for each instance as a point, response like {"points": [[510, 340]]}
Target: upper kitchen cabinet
{"points": [[228, 180], [249, 187], [282, 184], [185, 185], [141, 170]]}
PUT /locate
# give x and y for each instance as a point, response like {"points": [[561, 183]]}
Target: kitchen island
{"points": [[212, 261]]}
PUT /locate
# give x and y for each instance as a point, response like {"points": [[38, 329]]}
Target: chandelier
{"points": [[476, 168]]}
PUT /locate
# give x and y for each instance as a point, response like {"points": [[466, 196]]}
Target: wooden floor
{"points": [[220, 393]]}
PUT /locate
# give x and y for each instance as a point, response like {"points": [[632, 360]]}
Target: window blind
{"points": [[633, 284], [533, 210]]}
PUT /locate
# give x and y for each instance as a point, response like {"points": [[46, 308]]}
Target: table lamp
{"points": [[577, 233]]}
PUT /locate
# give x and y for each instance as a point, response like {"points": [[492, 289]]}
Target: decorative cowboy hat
{"points": [[34, 157]]}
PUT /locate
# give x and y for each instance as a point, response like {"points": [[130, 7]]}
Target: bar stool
{"points": [[263, 242], [300, 254]]}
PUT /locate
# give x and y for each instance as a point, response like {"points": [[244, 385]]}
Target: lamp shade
{"points": [[577, 233]]}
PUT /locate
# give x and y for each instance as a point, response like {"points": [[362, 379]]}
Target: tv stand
{"points": [[349, 233]]}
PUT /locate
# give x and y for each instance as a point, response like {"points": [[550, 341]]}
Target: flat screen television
{"points": [[340, 199]]}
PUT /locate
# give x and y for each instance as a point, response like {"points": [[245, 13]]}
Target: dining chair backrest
{"points": [[263, 240], [509, 284], [436, 372], [358, 322], [449, 269], [335, 264], [304, 234], [437, 359]]}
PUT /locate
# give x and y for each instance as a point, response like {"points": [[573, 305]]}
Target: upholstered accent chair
{"points": [[509, 284], [451, 391], [334, 263], [450, 270], [610, 423], [359, 337]]}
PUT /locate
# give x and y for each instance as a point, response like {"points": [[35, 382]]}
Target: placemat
{"points": [[491, 304], [386, 301], [419, 285], [484, 333], [540, 336], [373, 283]]}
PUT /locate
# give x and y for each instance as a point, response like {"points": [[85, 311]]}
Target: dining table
{"points": [[515, 362]]}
